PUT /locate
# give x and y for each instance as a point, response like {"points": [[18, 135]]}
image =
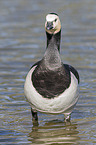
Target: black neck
{"points": [[56, 38]]}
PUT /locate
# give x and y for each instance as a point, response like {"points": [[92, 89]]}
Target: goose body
{"points": [[51, 86]]}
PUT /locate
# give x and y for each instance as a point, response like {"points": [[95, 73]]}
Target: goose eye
{"points": [[55, 20]]}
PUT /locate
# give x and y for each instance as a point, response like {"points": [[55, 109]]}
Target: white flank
{"points": [[64, 103]]}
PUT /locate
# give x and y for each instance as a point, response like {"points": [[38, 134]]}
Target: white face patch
{"points": [[55, 21], [51, 17]]}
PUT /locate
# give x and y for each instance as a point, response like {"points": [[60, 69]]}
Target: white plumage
{"points": [[61, 104]]}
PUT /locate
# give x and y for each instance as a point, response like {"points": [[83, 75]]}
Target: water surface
{"points": [[22, 43]]}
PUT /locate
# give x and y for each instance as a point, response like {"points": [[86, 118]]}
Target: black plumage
{"points": [[51, 83]]}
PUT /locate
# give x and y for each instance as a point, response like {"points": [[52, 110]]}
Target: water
{"points": [[22, 43]]}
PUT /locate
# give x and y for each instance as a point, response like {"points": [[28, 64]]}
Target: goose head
{"points": [[52, 24]]}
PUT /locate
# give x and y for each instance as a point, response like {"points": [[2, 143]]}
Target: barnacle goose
{"points": [[51, 86]]}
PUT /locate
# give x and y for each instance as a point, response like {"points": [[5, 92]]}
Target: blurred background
{"points": [[22, 43]]}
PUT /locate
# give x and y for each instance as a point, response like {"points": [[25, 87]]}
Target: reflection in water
{"points": [[54, 132]]}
